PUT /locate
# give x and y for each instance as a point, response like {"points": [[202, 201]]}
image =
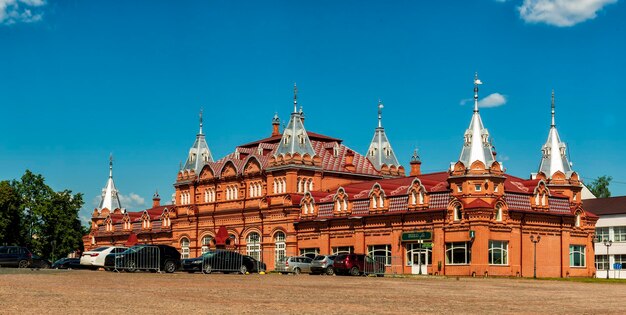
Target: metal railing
{"points": [[141, 257]]}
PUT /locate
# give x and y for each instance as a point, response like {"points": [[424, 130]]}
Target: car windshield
{"points": [[341, 257], [134, 249]]}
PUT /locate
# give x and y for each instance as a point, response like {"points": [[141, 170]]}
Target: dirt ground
{"points": [[84, 291]]}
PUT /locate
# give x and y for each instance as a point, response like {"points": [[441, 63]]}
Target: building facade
{"points": [[610, 237], [298, 192]]}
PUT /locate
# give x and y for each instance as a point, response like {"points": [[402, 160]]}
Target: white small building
{"points": [[610, 247]]}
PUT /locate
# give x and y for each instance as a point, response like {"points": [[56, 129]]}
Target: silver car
{"points": [[295, 265], [323, 264]]}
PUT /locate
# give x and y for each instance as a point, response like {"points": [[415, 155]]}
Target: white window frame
{"points": [[342, 250], [467, 256], [253, 246], [601, 235], [498, 250], [380, 253], [184, 248], [206, 243], [602, 262], [581, 251], [619, 234], [280, 245]]}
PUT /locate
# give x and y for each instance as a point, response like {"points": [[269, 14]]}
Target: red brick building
{"points": [[300, 192]]}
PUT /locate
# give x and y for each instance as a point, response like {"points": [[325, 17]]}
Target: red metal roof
{"points": [[606, 206]]}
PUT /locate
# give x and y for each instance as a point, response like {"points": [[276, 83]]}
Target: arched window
{"points": [[275, 186], [578, 219], [184, 248], [310, 184], [337, 205], [299, 185], [206, 196], [413, 197], [280, 246], [499, 213], [374, 202], [457, 213], [206, 243], [253, 245]]}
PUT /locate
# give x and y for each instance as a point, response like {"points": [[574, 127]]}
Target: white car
{"points": [[95, 258]]}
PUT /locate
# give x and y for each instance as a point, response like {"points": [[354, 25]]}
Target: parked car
{"points": [[96, 258], [67, 263], [357, 264], [294, 264], [40, 263], [148, 257], [323, 264], [223, 261], [310, 255], [15, 256]]}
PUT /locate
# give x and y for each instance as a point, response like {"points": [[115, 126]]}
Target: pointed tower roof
{"points": [[477, 146], [199, 154], [380, 151], [295, 138], [554, 157], [110, 197]]}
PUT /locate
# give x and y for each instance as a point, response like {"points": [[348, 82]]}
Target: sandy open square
{"points": [[83, 291]]}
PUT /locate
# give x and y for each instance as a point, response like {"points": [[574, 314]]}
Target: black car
{"points": [[40, 263], [147, 257], [223, 261], [67, 263], [15, 256]]}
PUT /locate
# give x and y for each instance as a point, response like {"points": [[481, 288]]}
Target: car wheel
{"points": [[330, 271], [354, 271], [243, 270], [131, 266], [22, 264], [170, 266], [207, 269], [296, 271]]}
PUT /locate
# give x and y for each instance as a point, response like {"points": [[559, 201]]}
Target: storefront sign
{"points": [[417, 236], [427, 245]]}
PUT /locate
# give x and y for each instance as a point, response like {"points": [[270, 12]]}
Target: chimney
{"points": [[416, 165], [156, 200], [275, 125], [350, 161]]}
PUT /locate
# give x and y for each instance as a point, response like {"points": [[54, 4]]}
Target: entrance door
{"points": [[418, 258]]}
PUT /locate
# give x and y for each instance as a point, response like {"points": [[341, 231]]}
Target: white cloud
{"points": [[492, 100], [132, 201], [26, 11], [561, 13]]}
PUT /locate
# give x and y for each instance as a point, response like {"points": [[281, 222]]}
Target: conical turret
{"points": [[199, 154], [477, 146], [380, 152], [554, 155], [295, 138], [110, 198]]}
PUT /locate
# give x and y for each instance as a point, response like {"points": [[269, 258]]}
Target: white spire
{"points": [[110, 198], [295, 138], [554, 157], [477, 146], [199, 154], [380, 151]]}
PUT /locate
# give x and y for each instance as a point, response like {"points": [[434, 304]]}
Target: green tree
{"points": [[10, 215], [34, 194], [600, 186], [59, 229]]}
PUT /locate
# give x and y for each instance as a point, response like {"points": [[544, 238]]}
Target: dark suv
{"points": [[15, 256], [148, 257], [357, 264]]}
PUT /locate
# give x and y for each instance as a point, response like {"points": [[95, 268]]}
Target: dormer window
{"points": [[578, 219], [457, 213], [336, 151], [499, 214]]}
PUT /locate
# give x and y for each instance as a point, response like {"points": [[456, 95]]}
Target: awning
{"points": [[221, 236], [132, 239]]}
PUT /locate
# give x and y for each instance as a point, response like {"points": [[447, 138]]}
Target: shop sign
{"points": [[427, 245], [417, 236]]}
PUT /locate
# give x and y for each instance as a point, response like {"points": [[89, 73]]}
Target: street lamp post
{"points": [[535, 241], [419, 256], [608, 244]]}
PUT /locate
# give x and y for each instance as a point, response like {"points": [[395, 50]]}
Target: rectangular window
{"points": [[602, 233], [478, 187], [304, 251], [498, 252], [577, 256], [380, 253], [343, 250], [619, 234], [458, 253], [620, 259], [602, 262]]}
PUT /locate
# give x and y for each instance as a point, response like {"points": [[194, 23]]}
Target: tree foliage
{"points": [[34, 215], [600, 186]]}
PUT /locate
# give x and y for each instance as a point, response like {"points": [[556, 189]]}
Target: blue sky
{"points": [[82, 79]]}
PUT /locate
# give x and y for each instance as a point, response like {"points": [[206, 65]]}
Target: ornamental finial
{"points": [[111, 165], [380, 113], [477, 82], [295, 98], [553, 123], [201, 120]]}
